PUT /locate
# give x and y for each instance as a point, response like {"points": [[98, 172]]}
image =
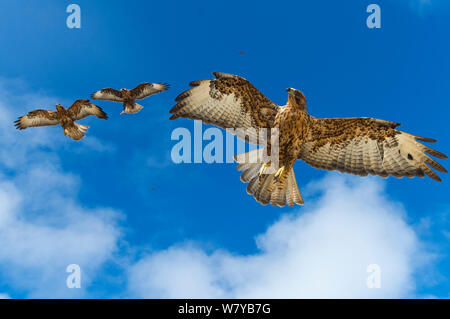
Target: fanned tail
{"points": [[75, 131], [268, 188], [131, 108]]}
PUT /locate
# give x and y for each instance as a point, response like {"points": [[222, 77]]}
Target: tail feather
{"points": [[279, 195], [295, 191], [250, 172], [266, 188], [289, 192], [73, 131], [131, 108], [265, 191], [253, 185]]}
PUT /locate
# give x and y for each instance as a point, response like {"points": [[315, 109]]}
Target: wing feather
{"points": [[108, 94], [37, 118], [84, 108], [368, 146], [228, 101], [146, 89]]}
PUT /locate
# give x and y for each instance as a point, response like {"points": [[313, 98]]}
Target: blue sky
{"points": [[151, 212]]}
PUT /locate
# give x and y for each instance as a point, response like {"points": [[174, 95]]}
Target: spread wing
{"points": [[84, 108], [37, 118], [230, 102], [368, 146], [146, 89], [108, 94]]}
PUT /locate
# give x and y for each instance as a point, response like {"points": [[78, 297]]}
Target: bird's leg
{"points": [[124, 107], [263, 169]]}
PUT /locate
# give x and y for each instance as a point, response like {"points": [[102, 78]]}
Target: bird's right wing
{"points": [[84, 108], [108, 94], [146, 89], [37, 118], [228, 101], [368, 146]]}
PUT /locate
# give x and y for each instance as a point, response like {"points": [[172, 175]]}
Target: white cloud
{"points": [[38, 241], [323, 251], [43, 228]]}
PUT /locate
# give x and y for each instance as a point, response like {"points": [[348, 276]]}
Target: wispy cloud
{"points": [[324, 251], [38, 243], [425, 7], [43, 227]]}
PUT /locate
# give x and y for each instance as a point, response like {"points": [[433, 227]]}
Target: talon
{"points": [[279, 173], [262, 170]]}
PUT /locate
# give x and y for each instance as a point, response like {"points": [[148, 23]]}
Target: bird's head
{"points": [[296, 98], [125, 92], [59, 107]]}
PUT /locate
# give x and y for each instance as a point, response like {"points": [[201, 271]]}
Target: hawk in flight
{"points": [[128, 97], [358, 146], [64, 117]]}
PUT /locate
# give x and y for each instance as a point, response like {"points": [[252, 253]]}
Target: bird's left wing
{"points": [[84, 108], [146, 89], [108, 94], [37, 118], [228, 101], [365, 146]]}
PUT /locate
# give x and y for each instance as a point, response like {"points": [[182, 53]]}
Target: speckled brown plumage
{"points": [[128, 97], [253, 102], [359, 146], [80, 109], [230, 102]]}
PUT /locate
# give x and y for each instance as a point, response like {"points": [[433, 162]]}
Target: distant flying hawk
{"points": [[65, 117], [128, 97], [359, 146]]}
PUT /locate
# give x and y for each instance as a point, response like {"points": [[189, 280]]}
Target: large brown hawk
{"points": [[128, 97], [359, 146], [64, 117]]}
